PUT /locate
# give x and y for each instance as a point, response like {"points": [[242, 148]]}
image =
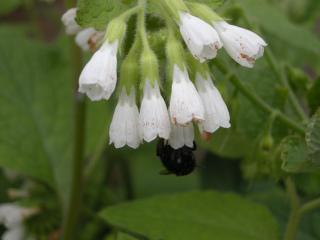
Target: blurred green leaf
{"points": [[97, 13], [313, 138], [194, 215], [271, 19], [294, 155], [35, 105], [212, 3], [123, 236], [313, 95], [8, 6]]}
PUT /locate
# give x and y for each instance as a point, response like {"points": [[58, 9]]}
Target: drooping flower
{"points": [[185, 102], [181, 136], [124, 128], [69, 21], [12, 217], [154, 118], [89, 39], [244, 46], [201, 38], [99, 77], [216, 111]]}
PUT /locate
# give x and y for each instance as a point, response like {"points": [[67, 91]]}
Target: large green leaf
{"points": [[194, 215], [97, 13], [275, 22], [35, 103], [8, 6]]}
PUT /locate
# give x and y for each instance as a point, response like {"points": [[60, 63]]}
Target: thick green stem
{"points": [[73, 208], [141, 24], [256, 100]]}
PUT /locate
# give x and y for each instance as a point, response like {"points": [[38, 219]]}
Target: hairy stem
{"points": [[73, 208], [256, 100]]}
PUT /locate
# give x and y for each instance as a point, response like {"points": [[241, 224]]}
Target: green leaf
{"points": [[97, 13], [294, 155], [124, 236], [194, 215], [313, 138], [271, 19], [313, 95], [8, 6], [35, 105], [212, 3]]}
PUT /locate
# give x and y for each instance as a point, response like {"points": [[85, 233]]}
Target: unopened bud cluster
{"points": [[193, 99]]}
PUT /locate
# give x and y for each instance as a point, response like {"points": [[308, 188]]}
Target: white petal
{"points": [[216, 111], [154, 118], [202, 39], [16, 233], [10, 215], [244, 46], [124, 128], [99, 77], [88, 37], [181, 136], [185, 102], [68, 19]]}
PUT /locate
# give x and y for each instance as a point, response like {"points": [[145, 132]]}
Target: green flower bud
{"points": [[267, 142], [174, 52]]}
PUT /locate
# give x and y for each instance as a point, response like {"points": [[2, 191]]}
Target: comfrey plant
{"points": [[193, 99]]}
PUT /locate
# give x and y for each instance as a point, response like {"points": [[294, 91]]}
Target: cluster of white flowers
{"points": [[86, 38], [12, 217], [200, 103]]}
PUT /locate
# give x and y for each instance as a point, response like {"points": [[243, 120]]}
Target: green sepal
{"points": [[174, 7], [174, 52], [129, 71], [116, 30], [204, 12], [197, 67], [149, 67]]}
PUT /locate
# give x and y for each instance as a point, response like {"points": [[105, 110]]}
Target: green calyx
{"points": [[149, 66], [116, 30], [174, 52], [204, 12], [196, 67], [129, 71], [174, 7]]}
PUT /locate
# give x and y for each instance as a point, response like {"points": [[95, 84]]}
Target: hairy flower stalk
{"points": [[124, 126], [244, 46], [216, 111]]}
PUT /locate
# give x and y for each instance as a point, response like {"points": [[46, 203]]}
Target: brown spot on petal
{"points": [[248, 58]]}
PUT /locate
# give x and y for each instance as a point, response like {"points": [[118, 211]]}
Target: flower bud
{"points": [[149, 66], [116, 30]]}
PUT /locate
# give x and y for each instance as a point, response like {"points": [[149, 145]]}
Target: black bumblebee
{"points": [[180, 161]]}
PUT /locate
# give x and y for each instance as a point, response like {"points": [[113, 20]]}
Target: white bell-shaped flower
{"points": [[11, 214], [185, 103], [99, 77], [202, 39], [69, 21], [244, 46], [216, 111], [154, 117], [124, 128], [181, 136], [88, 39]]}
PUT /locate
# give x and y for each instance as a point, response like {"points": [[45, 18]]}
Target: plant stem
{"points": [[307, 207], [279, 72], [141, 24], [259, 102], [73, 208]]}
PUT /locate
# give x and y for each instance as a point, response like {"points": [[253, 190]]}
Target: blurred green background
{"points": [[37, 123]]}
